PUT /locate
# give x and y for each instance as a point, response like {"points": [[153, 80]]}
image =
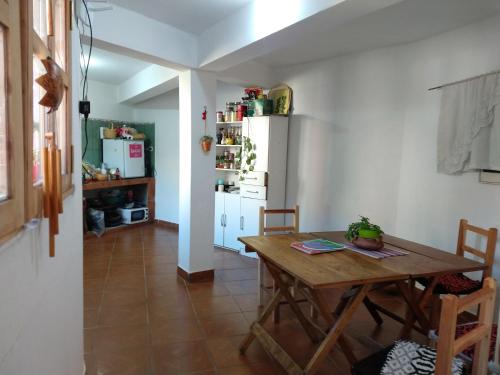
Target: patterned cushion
{"points": [[454, 284], [410, 358], [469, 352]]}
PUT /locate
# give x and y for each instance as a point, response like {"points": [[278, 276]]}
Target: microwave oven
{"points": [[134, 215]]}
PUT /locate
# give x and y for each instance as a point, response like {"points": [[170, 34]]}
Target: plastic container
{"points": [[263, 107]]}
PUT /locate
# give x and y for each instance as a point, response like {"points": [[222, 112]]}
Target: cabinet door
{"points": [[219, 219], [232, 221], [250, 219], [257, 129]]}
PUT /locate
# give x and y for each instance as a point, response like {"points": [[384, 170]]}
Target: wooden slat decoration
{"points": [[282, 211], [52, 188], [478, 230], [473, 251], [279, 229]]}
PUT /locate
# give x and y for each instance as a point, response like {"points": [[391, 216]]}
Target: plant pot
{"points": [[368, 243], [206, 146], [368, 233]]}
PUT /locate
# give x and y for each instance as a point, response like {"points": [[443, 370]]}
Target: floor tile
{"points": [[177, 330], [123, 315], [205, 290], [241, 287], [123, 298], [159, 312], [215, 305], [116, 338], [133, 361], [225, 325], [237, 274], [247, 302], [225, 352], [181, 358], [90, 318]]}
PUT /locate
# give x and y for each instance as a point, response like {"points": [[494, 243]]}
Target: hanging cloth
{"points": [[469, 131]]}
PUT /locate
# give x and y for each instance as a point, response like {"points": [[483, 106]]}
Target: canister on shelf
{"points": [[220, 116], [241, 110]]}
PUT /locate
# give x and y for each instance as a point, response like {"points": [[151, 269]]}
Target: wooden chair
{"points": [[460, 284], [449, 346], [265, 229]]}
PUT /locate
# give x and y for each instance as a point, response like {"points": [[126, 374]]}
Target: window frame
{"points": [[33, 45], [11, 210]]}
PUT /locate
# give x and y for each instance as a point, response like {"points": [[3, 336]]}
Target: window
{"points": [[46, 35], [31, 31], [11, 134]]}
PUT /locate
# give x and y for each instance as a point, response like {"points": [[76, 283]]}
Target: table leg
{"points": [[323, 309], [416, 312], [285, 291], [261, 320], [337, 329]]}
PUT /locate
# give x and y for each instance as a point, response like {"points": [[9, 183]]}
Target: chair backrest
{"points": [[449, 346], [263, 228], [489, 255]]}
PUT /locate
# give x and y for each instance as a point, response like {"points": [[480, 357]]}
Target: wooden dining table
{"points": [[344, 269]]}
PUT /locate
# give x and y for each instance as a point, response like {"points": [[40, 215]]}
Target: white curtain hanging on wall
{"points": [[469, 126]]}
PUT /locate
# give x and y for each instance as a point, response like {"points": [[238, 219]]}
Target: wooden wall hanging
{"points": [[53, 83], [52, 188]]}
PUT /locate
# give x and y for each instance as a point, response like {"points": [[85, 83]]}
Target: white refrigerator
{"points": [[127, 155]]}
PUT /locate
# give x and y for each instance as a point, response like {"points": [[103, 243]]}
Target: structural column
{"points": [[196, 176]]}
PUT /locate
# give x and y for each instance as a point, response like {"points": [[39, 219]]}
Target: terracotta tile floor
{"points": [[141, 319]]}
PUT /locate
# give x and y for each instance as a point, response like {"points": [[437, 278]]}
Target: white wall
{"points": [[41, 298], [104, 105], [363, 139], [164, 112], [227, 92]]}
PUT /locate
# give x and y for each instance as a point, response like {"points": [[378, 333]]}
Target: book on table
{"points": [[317, 246]]}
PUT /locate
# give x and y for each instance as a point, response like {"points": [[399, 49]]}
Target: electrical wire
{"points": [[85, 82], [85, 71]]}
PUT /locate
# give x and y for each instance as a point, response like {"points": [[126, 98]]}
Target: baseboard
{"points": [[167, 224], [196, 277]]}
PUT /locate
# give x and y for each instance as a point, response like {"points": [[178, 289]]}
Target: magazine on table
{"points": [[317, 246]]}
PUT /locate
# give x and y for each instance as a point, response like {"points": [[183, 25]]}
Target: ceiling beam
{"points": [[264, 26], [148, 83], [126, 32]]}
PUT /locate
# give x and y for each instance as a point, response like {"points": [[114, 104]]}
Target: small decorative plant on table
{"points": [[365, 235]]}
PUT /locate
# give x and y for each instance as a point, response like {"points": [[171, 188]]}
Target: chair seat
{"points": [[456, 284]]}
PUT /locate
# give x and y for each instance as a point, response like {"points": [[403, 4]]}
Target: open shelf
{"points": [[227, 145], [227, 170]]}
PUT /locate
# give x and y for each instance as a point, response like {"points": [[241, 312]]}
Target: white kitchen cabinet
{"points": [[219, 219], [227, 220], [232, 221], [238, 215]]}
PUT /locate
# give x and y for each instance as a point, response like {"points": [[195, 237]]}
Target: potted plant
{"points": [[247, 157], [365, 235], [206, 143]]}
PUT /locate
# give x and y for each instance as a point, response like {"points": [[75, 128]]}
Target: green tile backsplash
{"points": [[94, 148]]}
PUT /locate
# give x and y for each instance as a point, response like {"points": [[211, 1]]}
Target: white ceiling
{"points": [[112, 68], [405, 22], [193, 16]]}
